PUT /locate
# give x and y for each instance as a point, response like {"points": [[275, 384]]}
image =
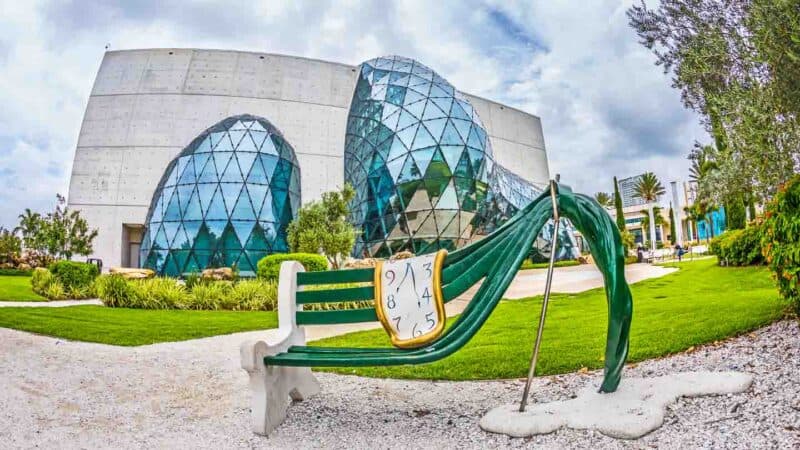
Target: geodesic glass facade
{"points": [[418, 157], [225, 200]]}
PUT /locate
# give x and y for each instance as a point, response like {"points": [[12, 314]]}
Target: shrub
{"points": [[40, 280], [73, 274], [270, 266], [208, 296], [114, 290], [158, 293], [253, 295], [55, 291], [780, 240], [738, 247]]}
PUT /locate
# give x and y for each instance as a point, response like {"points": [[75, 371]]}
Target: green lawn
{"points": [[17, 289], [698, 304], [120, 326]]}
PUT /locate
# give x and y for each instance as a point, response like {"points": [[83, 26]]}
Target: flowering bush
{"points": [[781, 240]]}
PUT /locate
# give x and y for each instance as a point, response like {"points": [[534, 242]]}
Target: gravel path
{"points": [[59, 394]]}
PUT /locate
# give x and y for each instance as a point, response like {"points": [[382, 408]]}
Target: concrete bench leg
{"points": [[272, 386]]}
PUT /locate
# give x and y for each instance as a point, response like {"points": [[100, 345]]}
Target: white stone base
{"points": [[635, 409]]}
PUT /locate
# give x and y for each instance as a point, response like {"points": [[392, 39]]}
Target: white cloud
{"points": [[606, 109]]}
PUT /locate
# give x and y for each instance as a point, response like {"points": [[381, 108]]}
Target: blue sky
{"points": [[606, 109]]}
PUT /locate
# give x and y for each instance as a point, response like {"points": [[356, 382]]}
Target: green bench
{"points": [[281, 370]]}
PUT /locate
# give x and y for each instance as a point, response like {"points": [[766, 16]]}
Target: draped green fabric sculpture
{"points": [[496, 259]]}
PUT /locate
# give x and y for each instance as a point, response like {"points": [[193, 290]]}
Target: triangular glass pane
{"points": [[397, 149], [450, 135], [188, 176], [416, 109], [221, 160], [224, 144], [209, 173], [432, 111], [409, 172], [192, 210], [237, 136], [200, 161], [435, 127], [257, 194], [269, 147], [246, 144], [448, 200], [246, 161], [458, 112], [232, 173], [257, 239], [463, 127], [191, 227], [216, 210], [436, 91], [444, 103], [269, 162], [230, 192], [266, 213], [215, 229], [452, 153], [407, 135], [243, 209], [406, 120], [258, 138], [180, 257], [466, 107], [173, 210], [170, 230], [161, 242], [257, 126], [242, 229], [204, 146], [474, 139], [191, 265], [205, 192], [423, 158]]}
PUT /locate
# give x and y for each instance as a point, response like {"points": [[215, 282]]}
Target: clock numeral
{"points": [[415, 332], [390, 302], [427, 295], [390, 274], [396, 323], [428, 268], [430, 320]]}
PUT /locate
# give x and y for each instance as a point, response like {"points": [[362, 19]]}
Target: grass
{"points": [[14, 288], [700, 303], [527, 264], [129, 327]]}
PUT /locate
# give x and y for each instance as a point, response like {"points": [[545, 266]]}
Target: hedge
{"points": [[738, 247], [270, 266], [781, 240], [73, 274]]}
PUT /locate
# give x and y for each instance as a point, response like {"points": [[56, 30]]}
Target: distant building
{"points": [[627, 190]]}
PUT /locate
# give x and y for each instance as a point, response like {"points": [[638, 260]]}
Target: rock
{"points": [[24, 266], [221, 273], [130, 273], [360, 263], [405, 254], [585, 259]]}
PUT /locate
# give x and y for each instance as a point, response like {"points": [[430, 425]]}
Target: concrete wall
{"points": [[146, 105]]}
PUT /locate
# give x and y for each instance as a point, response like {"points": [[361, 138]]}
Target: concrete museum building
{"points": [[192, 158]]}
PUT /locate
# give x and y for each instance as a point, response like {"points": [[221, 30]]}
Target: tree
{"points": [[649, 189], [322, 227], [604, 199], [64, 233], [672, 237], [10, 246], [659, 219], [736, 64], [29, 226], [698, 212], [618, 207]]}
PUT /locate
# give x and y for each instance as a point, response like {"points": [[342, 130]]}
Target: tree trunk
{"points": [[652, 228]]}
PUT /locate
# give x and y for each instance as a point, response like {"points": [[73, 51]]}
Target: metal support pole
{"points": [[547, 285]]}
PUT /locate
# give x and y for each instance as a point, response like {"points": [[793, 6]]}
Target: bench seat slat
{"points": [[336, 316], [335, 276], [336, 295]]}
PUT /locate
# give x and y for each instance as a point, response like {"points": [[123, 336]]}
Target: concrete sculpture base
{"points": [[635, 409]]}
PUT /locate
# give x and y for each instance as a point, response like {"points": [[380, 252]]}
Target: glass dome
{"points": [[225, 200], [418, 157]]}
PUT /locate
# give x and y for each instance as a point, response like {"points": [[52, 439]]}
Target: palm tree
{"points": [[605, 200], [702, 163], [646, 219], [699, 212], [29, 223], [649, 188]]}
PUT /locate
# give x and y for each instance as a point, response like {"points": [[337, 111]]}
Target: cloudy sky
{"points": [[606, 109]]}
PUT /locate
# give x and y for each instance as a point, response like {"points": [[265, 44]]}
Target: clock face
{"points": [[409, 301]]}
